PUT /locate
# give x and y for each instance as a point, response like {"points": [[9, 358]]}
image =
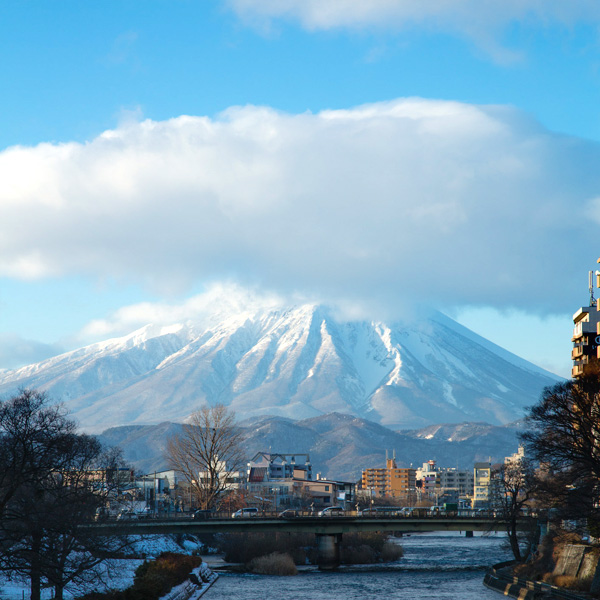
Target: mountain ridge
{"points": [[340, 445], [296, 362]]}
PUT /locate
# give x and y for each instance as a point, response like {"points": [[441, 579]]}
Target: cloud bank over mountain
{"points": [[387, 205]]}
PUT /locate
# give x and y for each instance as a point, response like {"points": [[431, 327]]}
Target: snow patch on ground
{"points": [[115, 574]]}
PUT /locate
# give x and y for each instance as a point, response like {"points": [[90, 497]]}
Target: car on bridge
{"points": [[380, 511], [127, 515], [202, 514], [289, 513], [247, 511], [332, 511]]}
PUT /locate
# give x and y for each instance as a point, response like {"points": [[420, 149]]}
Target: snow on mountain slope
{"points": [[297, 363]]}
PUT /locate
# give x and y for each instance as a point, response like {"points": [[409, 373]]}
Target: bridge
{"points": [[328, 530]]}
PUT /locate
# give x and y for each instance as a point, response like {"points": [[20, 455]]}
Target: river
{"points": [[436, 566]]}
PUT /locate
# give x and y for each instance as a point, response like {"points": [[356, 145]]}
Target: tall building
{"points": [[391, 481], [482, 483], [428, 479], [586, 332], [456, 485]]}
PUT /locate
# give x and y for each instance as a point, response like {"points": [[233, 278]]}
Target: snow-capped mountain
{"points": [[296, 363]]}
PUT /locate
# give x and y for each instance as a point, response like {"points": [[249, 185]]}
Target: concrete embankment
{"points": [[196, 586], [501, 579]]}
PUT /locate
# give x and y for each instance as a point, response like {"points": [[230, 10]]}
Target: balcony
{"points": [[576, 352]]}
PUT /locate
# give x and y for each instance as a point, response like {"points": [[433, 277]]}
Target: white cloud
{"points": [[386, 205], [16, 351], [217, 303], [463, 14], [481, 21]]}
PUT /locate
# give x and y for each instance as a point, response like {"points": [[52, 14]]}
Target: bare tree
{"points": [[565, 439], [565, 425], [208, 453], [47, 493], [517, 485]]}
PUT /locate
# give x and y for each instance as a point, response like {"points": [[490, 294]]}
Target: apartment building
{"points": [[586, 329], [428, 480], [456, 485], [482, 484], [389, 481], [586, 332]]}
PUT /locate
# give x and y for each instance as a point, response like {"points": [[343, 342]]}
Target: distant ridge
{"points": [[297, 363], [340, 446]]}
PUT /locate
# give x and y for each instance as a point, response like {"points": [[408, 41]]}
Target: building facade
{"points": [[482, 473], [456, 485], [586, 329], [389, 481]]}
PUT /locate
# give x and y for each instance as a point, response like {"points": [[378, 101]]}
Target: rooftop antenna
{"points": [[591, 286]]}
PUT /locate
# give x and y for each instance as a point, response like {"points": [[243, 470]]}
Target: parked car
{"points": [[332, 511], [245, 512], [289, 513]]}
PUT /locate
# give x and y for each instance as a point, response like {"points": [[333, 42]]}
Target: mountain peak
{"points": [[295, 362]]}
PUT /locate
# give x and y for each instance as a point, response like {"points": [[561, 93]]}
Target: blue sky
{"points": [[376, 156]]}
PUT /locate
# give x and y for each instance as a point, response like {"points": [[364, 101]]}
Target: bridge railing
{"points": [[392, 513]]}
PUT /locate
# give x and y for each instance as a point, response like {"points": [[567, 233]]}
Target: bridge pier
{"points": [[328, 549], [468, 534]]}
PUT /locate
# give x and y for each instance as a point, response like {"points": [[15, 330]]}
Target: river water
{"points": [[436, 566]]}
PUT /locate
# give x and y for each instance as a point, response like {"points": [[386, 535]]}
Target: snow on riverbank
{"points": [[115, 574]]}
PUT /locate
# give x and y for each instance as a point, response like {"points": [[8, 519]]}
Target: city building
{"points": [[482, 484], [267, 466], [517, 458], [389, 481], [586, 329], [455, 485], [325, 492], [428, 481], [274, 475]]}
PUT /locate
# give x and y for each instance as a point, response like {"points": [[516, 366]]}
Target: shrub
{"points": [[355, 548], [391, 552], [243, 547], [153, 579], [358, 555], [273, 564], [373, 539]]}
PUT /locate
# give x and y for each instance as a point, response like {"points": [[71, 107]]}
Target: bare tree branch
{"points": [[207, 453]]}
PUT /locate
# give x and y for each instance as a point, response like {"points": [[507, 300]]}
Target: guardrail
{"points": [[421, 513]]}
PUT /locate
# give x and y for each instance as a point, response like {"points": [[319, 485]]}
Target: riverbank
{"points": [[199, 582]]}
